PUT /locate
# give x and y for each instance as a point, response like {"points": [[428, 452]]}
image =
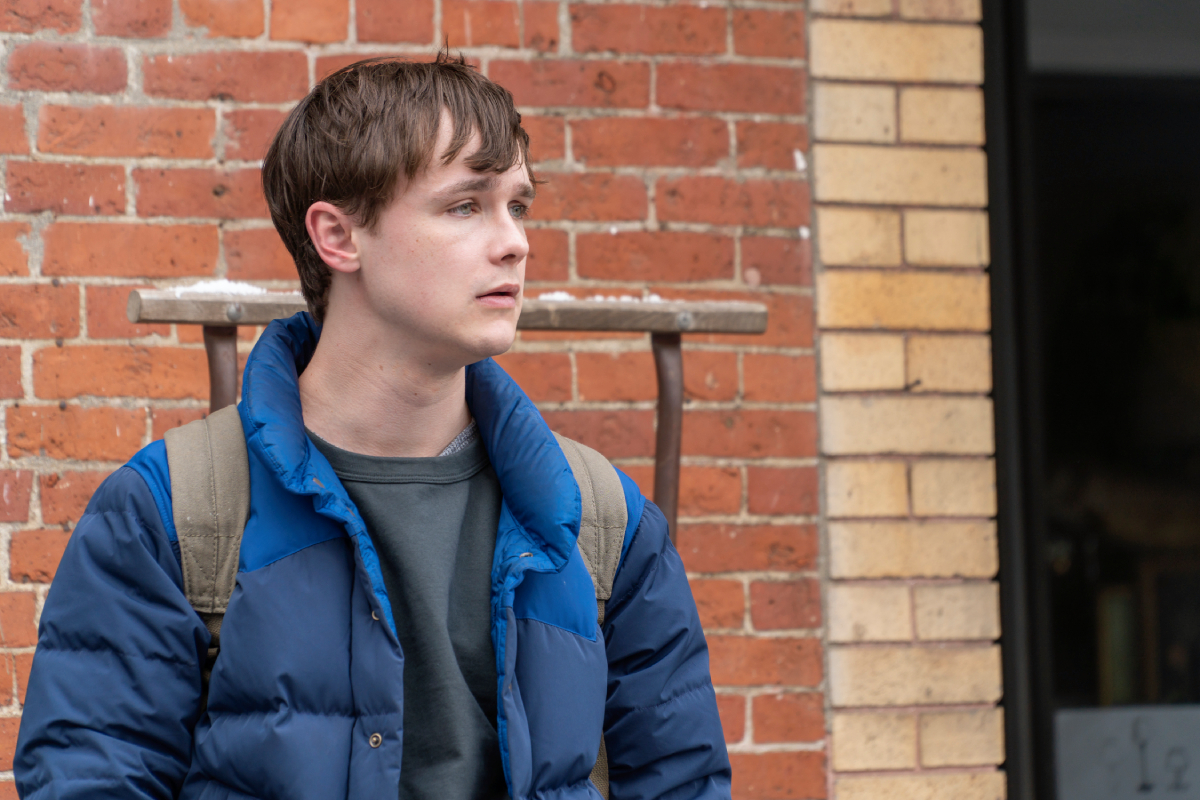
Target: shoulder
{"points": [[150, 464]]}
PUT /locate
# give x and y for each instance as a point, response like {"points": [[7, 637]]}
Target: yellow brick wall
{"points": [[906, 423]]}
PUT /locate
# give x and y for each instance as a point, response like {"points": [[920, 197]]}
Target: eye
{"points": [[519, 211], [463, 210]]}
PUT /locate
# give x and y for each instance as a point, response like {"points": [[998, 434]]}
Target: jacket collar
{"points": [[536, 481]]}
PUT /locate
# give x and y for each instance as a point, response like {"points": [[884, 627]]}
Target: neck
{"points": [[361, 395]]}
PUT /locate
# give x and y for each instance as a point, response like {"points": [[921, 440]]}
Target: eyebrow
{"points": [[484, 184]]}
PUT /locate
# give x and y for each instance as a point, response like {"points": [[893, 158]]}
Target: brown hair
{"points": [[350, 139]]}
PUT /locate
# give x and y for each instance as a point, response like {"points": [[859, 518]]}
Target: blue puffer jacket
{"points": [[310, 665]]}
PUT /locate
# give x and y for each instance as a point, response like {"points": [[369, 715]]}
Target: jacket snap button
{"points": [[375, 616], [376, 740], [526, 555]]}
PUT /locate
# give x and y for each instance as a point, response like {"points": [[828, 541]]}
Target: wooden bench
{"points": [[666, 321]]}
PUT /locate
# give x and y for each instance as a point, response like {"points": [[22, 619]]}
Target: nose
{"points": [[509, 244]]}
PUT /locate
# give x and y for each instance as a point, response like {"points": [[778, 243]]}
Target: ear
{"points": [[332, 233]]}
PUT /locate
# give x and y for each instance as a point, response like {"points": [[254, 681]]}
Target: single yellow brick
{"points": [[943, 786], [912, 550], [954, 488], [855, 173], [873, 741], [958, 611], [869, 613], [906, 424], [895, 675], [866, 489], [896, 51], [942, 116], [957, 10], [949, 363], [858, 237], [962, 738], [931, 301], [853, 113], [851, 8], [861, 362], [946, 238]]}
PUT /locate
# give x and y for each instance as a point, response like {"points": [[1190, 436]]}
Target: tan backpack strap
{"points": [[601, 538], [604, 517], [210, 493]]}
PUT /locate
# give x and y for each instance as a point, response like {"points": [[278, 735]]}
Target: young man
{"points": [[411, 615]]}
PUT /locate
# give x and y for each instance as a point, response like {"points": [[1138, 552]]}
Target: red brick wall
{"points": [[672, 139]]}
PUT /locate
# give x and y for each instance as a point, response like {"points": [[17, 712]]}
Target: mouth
{"points": [[503, 296]]}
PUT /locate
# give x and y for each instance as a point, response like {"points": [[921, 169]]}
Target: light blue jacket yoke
{"points": [[310, 666]]}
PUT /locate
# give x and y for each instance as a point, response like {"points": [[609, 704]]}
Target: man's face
{"points": [[445, 266]]}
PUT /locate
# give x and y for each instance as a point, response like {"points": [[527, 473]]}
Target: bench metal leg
{"points": [[220, 342], [668, 364]]}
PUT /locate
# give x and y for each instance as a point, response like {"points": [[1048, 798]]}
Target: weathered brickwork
{"points": [[906, 424], [675, 142]]}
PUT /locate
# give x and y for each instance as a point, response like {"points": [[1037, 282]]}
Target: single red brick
{"points": [[310, 20], [654, 255], [596, 84], [732, 708], [545, 377], [616, 434], [65, 496], [389, 21], [136, 18], [275, 76], [710, 490], [789, 317], [164, 419], [642, 475], [78, 189], [709, 375], [783, 490], [470, 23], [750, 433], [239, 18], [126, 131], [683, 29], [762, 32], [546, 136], [16, 623], [172, 373], [750, 661], [50, 67], [24, 664], [15, 487], [791, 717], [257, 254], [131, 251], [620, 141], [10, 372], [591, 196], [7, 670], [541, 26], [39, 311], [31, 16], [249, 131], [722, 604], [9, 727], [771, 144], [547, 259], [87, 434], [194, 192], [12, 130], [736, 548], [782, 605], [106, 317], [14, 259], [721, 201], [770, 776], [731, 87], [616, 375], [34, 555], [777, 260], [778, 378]]}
